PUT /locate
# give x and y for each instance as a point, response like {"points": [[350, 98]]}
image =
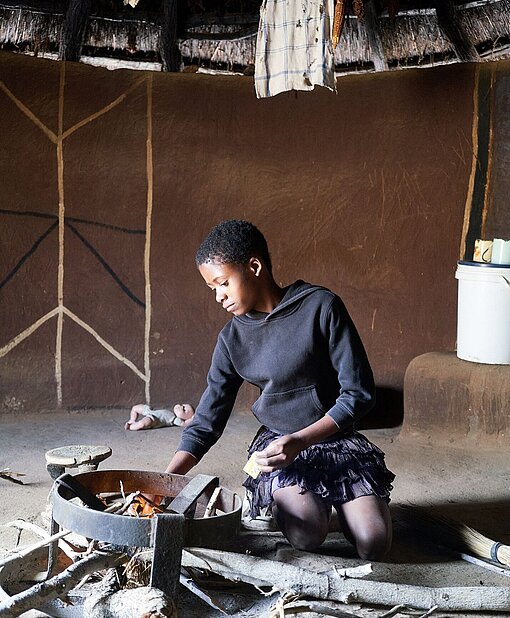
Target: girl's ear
{"points": [[255, 265]]}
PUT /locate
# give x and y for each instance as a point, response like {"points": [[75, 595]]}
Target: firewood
{"points": [[210, 509], [16, 555], [114, 506], [327, 586], [11, 476], [291, 604], [58, 586], [21, 524], [141, 602], [213, 602], [127, 503]]}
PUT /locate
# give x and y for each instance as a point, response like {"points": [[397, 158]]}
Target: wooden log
{"points": [[228, 19], [168, 48], [374, 37], [238, 35], [446, 18], [261, 572], [241, 567], [58, 586], [21, 524], [73, 33], [143, 602], [17, 555]]}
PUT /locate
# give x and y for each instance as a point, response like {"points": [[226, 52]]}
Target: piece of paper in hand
{"points": [[251, 468]]}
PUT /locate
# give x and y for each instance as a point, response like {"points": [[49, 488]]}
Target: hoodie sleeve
{"points": [[215, 406], [348, 356]]}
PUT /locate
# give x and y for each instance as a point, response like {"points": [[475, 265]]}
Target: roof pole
{"points": [[73, 33], [170, 54]]}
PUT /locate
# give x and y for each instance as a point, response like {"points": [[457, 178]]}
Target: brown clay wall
{"points": [[111, 179]]}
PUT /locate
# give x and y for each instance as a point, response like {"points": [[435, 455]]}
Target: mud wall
{"points": [[110, 179]]}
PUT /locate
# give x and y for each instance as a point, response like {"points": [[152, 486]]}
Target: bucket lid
{"points": [[482, 264]]}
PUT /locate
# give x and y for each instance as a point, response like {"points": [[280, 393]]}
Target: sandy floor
{"points": [[472, 484]]}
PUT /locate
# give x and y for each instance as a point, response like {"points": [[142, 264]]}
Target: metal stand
{"points": [[168, 541]]}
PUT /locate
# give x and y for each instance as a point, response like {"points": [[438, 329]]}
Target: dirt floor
{"points": [[472, 484]]}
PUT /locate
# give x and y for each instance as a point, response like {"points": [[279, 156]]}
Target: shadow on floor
{"points": [[440, 529], [419, 537]]}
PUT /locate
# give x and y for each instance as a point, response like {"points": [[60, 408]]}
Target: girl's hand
{"points": [[280, 453]]}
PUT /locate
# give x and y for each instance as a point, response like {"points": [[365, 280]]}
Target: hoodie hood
{"points": [[293, 293]]}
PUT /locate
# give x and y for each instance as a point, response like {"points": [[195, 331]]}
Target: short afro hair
{"points": [[233, 242]]}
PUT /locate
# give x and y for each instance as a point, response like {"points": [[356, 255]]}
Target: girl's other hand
{"points": [[280, 453]]}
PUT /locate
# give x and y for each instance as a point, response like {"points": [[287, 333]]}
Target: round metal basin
{"points": [[213, 532]]}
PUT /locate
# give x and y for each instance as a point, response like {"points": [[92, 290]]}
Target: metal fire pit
{"points": [[166, 533]]}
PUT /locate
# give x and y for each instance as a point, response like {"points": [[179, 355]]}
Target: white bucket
{"points": [[483, 313]]}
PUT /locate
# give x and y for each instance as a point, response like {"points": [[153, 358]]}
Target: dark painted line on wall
{"points": [[474, 230], [32, 250], [43, 215], [89, 246], [106, 266], [28, 213]]}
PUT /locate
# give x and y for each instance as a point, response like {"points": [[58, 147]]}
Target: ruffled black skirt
{"points": [[339, 470]]}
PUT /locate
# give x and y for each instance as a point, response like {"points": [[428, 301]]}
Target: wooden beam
{"points": [[168, 48], [446, 19], [75, 23], [374, 37], [44, 6], [229, 19], [243, 33]]}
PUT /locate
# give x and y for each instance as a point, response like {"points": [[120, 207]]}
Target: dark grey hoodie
{"points": [[305, 356]]}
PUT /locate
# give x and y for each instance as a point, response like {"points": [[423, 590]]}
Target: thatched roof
{"points": [[189, 34]]}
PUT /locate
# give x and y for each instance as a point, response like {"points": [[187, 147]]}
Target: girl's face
{"points": [[236, 286]]}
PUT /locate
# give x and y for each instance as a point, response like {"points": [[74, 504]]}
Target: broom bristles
{"points": [[459, 535]]}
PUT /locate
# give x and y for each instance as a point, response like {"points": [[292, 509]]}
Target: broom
{"points": [[457, 535]]}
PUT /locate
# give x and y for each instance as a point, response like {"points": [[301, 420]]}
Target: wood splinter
{"points": [[210, 509]]}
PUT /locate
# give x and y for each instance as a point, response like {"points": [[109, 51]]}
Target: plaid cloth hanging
{"points": [[294, 49]]}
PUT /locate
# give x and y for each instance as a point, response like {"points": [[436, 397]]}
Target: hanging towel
{"points": [[294, 49]]}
